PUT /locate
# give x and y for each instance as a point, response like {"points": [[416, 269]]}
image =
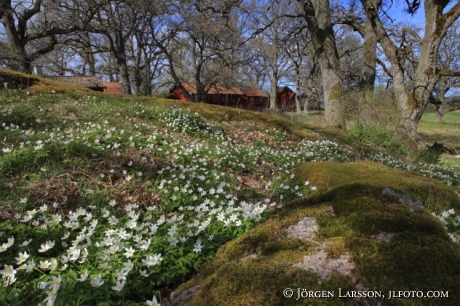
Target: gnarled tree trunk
{"points": [[273, 91], [368, 71], [119, 51], [297, 89], [412, 100], [317, 15]]}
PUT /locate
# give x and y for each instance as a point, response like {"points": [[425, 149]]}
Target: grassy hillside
{"points": [[114, 201]]}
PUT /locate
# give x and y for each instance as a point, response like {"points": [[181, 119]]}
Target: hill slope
{"points": [[119, 199]]}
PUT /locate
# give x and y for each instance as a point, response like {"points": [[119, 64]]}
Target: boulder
{"points": [[367, 231]]}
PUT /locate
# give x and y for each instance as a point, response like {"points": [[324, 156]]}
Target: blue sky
{"points": [[398, 13]]}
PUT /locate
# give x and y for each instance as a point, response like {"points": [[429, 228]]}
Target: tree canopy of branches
{"points": [[34, 28], [152, 43]]}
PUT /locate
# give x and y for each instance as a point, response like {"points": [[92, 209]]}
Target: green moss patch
{"points": [[433, 194], [250, 283]]}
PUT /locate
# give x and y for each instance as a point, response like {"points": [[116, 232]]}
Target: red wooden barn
{"points": [[241, 97], [113, 88], [285, 98]]}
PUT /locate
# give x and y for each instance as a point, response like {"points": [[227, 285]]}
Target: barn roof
{"points": [[84, 81], [113, 88], [221, 89]]}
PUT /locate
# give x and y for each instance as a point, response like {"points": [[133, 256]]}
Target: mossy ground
{"points": [[39, 85], [432, 193], [418, 256]]}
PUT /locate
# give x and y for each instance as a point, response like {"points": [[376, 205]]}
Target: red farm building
{"points": [[240, 97], [113, 88], [285, 98]]}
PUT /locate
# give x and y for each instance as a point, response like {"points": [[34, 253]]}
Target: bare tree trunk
{"points": [[137, 80], [124, 77], [306, 105], [89, 56], [332, 88], [367, 80], [86, 52], [308, 95], [200, 93], [113, 72], [312, 98], [118, 49], [439, 110], [439, 113], [16, 48], [147, 83], [137, 77], [317, 15], [92, 64], [273, 92], [297, 89], [200, 90]]}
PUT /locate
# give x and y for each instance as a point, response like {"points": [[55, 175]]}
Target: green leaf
{"points": [[72, 274]]}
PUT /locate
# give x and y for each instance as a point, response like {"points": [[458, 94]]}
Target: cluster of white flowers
{"points": [[112, 244], [183, 120], [449, 218], [389, 161], [446, 174], [127, 238]]}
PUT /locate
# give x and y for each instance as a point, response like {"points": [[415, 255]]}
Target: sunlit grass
{"points": [[447, 132], [450, 117], [453, 161]]}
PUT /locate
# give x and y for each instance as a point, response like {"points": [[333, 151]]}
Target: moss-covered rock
{"points": [[326, 175], [393, 244]]}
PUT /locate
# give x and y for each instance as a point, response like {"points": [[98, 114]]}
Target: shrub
{"points": [[429, 156], [379, 137], [375, 109]]}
